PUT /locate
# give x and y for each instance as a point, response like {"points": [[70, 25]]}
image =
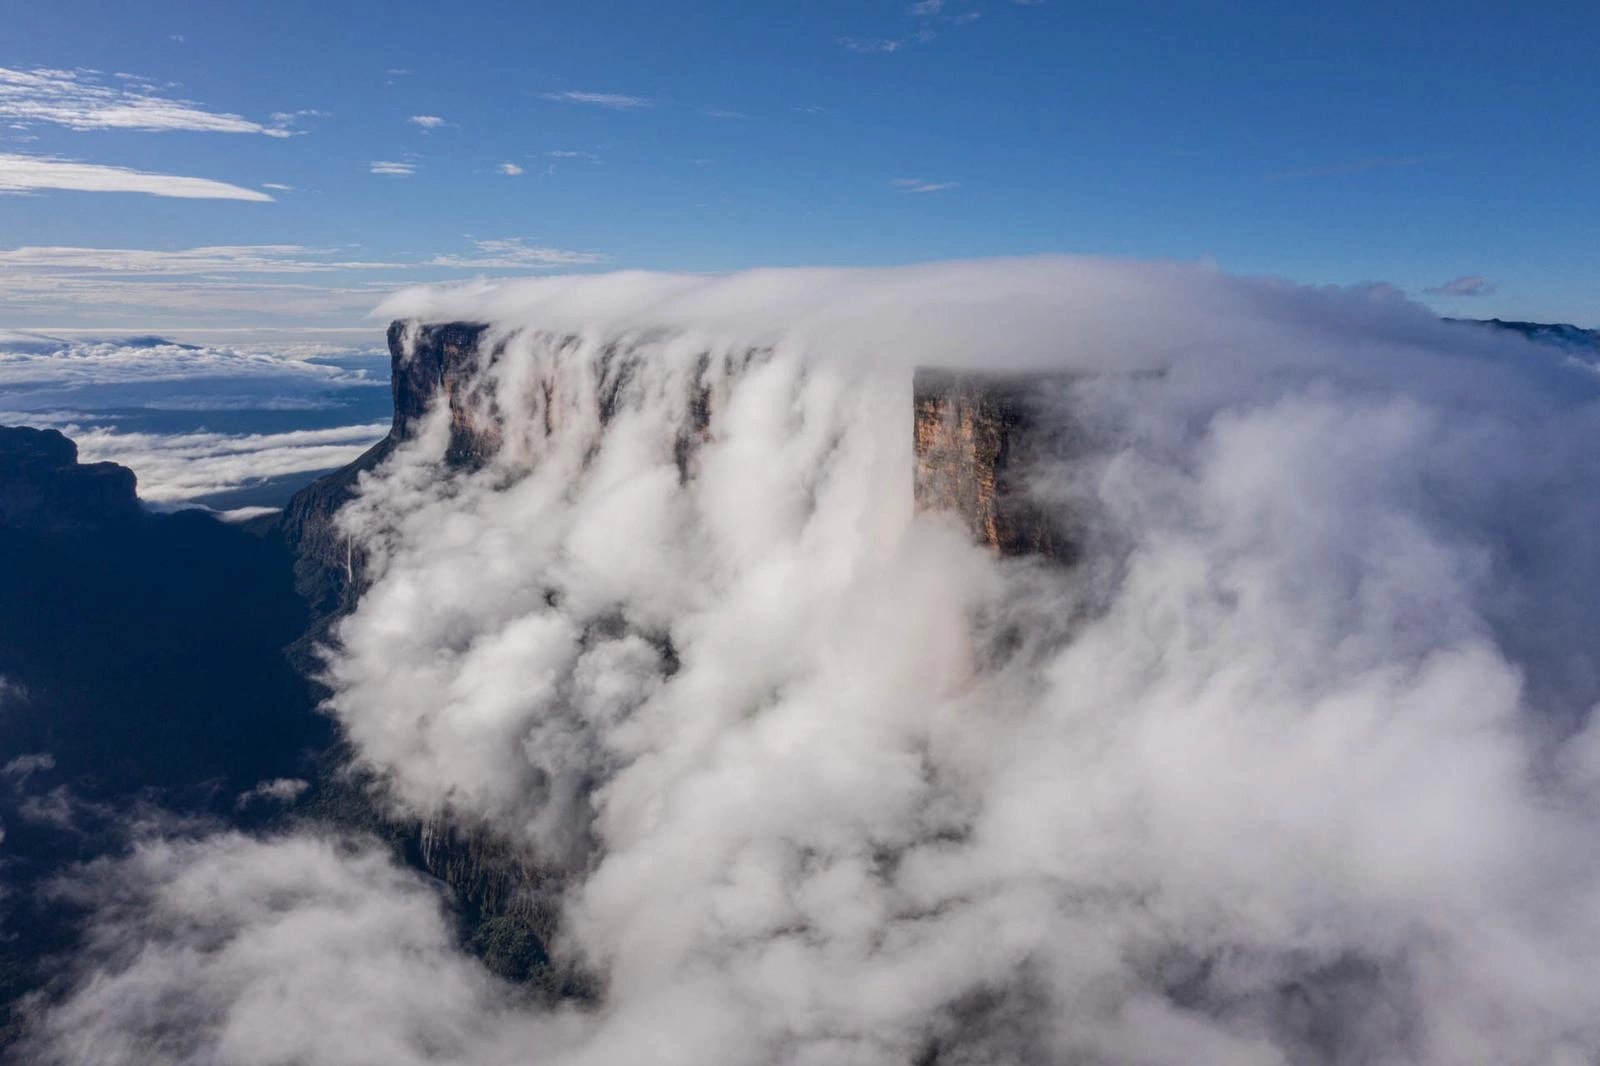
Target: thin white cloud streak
{"points": [[78, 100], [515, 254], [870, 45], [229, 259], [613, 101], [52, 282], [68, 298], [888, 798], [917, 185], [1469, 285], [26, 173], [391, 168]]}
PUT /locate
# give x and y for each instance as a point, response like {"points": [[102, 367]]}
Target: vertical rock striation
{"points": [[976, 436]]}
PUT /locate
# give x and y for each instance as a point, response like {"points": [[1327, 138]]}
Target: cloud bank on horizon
{"points": [[195, 421], [1297, 765]]}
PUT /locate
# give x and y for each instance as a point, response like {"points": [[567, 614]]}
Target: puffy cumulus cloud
{"points": [[296, 950], [1295, 765]]}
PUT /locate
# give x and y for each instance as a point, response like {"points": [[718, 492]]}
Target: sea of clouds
{"points": [[1297, 765], [200, 424]]}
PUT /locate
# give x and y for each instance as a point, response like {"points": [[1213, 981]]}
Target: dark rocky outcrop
{"points": [[44, 487], [140, 671], [1562, 334]]}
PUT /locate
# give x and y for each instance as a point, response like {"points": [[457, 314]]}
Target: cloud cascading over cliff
{"points": [[1288, 760]]}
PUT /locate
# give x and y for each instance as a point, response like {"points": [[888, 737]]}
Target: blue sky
{"points": [[1412, 144]]}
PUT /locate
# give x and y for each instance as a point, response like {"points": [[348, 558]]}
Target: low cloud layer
{"points": [[39, 371], [1295, 766], [176, 467], [196, 421]]}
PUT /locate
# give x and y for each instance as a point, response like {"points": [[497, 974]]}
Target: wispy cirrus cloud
{"points": [[868, 45], [1466, 285], [515, 254], [30, 173], [391, 168], [82, 100], [614, 101], [214, 259], [917, 185], [927, 15], [566, 154]]}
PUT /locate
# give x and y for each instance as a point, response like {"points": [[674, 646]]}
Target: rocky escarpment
{"points": [[426, 362], [43, 487], [508, 918], [975, 438]]}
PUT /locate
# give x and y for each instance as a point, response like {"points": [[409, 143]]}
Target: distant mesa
{"points": [[44, 488]]}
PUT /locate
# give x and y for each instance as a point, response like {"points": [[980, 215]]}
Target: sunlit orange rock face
{"points": [[976, 435]]}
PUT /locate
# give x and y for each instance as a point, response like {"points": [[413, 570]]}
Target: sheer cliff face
{"points": [[974, 438], [976, 435]]}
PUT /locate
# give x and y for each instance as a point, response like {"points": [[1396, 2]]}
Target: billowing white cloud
{"points": [[243, 933], [614, 101], [80, 100], [828, 783], [28, 173]]}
